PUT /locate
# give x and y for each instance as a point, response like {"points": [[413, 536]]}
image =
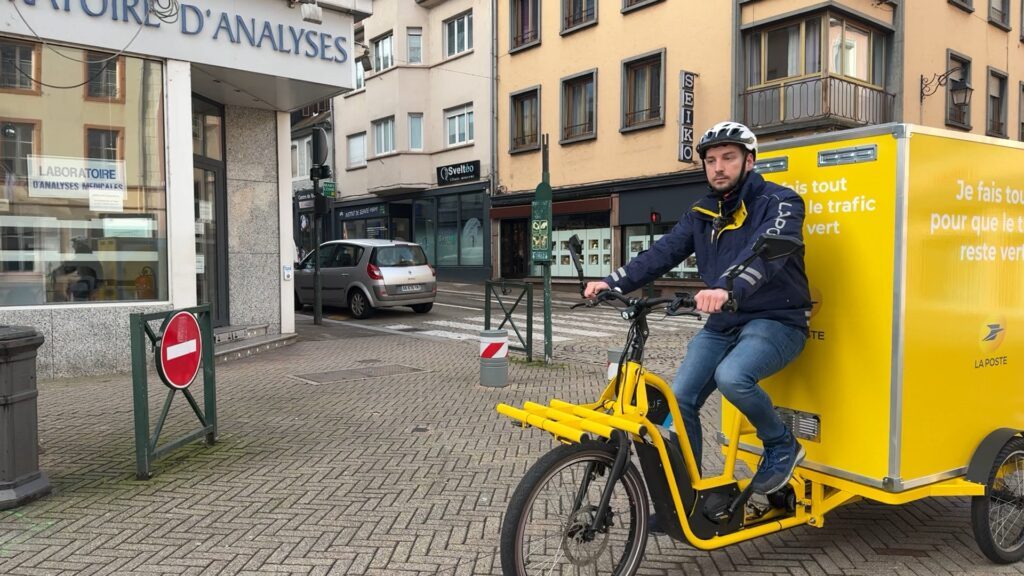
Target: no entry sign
{"points": [[181, 350]]}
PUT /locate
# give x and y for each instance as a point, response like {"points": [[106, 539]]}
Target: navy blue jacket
{"points": [[775, 289]]}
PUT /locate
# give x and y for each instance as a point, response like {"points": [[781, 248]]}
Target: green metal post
{"points": [[546, 183], [140, 396], [209, 377], [529, 322], [318, 314], [488, 286]]}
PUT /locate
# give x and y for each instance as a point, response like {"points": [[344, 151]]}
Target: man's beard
{"points": [[726, 188]]}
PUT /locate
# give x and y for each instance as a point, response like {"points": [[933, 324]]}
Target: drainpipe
{"points": [[494, 106]]}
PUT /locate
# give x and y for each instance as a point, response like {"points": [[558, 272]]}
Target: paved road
{"points": [[361, 451]]}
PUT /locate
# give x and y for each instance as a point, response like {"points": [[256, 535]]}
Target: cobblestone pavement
{"points": [[361, 452]]}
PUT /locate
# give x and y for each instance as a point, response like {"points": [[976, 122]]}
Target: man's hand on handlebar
{"points": [[711, 301], [594, 287]]}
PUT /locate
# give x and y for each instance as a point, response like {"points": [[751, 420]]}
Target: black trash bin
{"points": [[20, 478]]}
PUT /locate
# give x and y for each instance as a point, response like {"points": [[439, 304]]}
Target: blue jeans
{"points": [[735, 361]]}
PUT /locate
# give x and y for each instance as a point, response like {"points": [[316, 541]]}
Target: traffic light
{"points": [[655, 217]]}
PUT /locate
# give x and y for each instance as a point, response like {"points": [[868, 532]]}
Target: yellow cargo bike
{"points": [[911, 384]]}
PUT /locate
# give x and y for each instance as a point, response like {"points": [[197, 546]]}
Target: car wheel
{"points": [[359, 305], [422, 308]]}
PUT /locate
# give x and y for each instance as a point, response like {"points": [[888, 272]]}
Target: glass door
{"points": [[210, 190], [210, 287]]}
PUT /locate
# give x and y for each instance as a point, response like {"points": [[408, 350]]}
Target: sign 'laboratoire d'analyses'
{"points": [[102, 182], [263, 37]]}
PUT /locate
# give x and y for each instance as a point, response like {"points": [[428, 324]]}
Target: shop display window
{"points": [[83, 204]]}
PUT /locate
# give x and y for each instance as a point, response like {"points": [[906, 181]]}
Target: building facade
{"points": [[414, 138], [625, 89], [144, 161]]}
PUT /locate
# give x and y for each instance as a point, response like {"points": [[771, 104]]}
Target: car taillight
{"points": [[373, 272], [432, 271]]}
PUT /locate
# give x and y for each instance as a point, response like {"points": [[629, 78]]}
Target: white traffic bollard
{"points": [[494, 358]]}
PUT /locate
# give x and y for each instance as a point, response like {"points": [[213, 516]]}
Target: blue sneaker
{"points": [[777, 465]]}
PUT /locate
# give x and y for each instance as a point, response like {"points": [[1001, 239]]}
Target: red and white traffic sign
{"points": [[181, 350]]}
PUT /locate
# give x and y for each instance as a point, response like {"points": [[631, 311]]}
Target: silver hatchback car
{"points": [[362, 275]]}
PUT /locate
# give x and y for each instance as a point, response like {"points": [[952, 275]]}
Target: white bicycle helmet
{"points": [[727, 133]]}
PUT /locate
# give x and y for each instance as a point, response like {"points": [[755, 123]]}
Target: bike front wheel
{"points": [[548, 525]]}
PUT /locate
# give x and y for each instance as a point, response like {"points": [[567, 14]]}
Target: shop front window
{"points": [[424, 230], [594, 231], [635, 239], [83, 218], [448, 231], [460, 229]]}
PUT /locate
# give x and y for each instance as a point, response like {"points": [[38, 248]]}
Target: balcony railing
{"points": [[642, 116], [577, 17], [525, 141], [577, 130], [826, 99], [524, 36]]}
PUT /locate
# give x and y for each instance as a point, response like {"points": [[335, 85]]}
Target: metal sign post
{"points": [[183, 347], [540, 242]]}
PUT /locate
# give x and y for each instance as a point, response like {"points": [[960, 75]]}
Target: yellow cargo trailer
{"points": [[915, 255]]}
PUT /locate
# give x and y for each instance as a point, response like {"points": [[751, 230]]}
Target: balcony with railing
{"points": [[816, 101], [578, 17]]}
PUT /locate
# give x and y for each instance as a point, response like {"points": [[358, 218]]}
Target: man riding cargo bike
{"points": [[769, 325], [585, 506]]}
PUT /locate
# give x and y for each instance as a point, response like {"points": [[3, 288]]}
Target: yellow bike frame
{"points": [[816, 492]]}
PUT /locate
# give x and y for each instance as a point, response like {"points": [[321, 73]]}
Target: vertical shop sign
{"points": [[687, 80]]}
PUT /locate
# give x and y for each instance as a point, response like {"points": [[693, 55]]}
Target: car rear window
{"points": [[399, 256]]}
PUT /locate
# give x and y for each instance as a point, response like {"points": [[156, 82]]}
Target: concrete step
{"points": [[245, 347], [226, 334]]}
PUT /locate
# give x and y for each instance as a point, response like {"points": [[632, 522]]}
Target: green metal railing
{"points": [[142, 333], [508, 306]]}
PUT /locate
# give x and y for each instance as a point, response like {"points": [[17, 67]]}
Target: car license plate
{"points": [[410, 288]]}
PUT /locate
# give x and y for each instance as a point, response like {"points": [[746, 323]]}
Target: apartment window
{"points": [[999, 13], [102, 76], [383, 58], [525, 23], [630, 5], [856, 51], [643, 91], [776, 54], [102, 144], [579, 107], [958, 116], [414, 45], [17, 65], [967, 5], [577, 13], [458, 35], [995, 116], [459, 125], [360, 75], [302, 152], [357, 150], [526, 120], [415, 131], [384, 136], [16, 144]]}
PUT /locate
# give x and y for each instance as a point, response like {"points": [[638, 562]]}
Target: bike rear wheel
{"points": [[545, 532]]}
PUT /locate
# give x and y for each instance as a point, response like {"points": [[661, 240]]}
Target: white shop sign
{"points": [[265, 37], [101, 181]]}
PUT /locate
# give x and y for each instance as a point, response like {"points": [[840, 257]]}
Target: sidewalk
{"points": [[404, 468]]}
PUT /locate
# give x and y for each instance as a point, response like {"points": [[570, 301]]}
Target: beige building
{"points": [[624, 89], [413, 140]]}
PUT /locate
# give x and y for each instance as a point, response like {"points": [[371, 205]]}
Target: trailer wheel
{"points": [[998, 517]]}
